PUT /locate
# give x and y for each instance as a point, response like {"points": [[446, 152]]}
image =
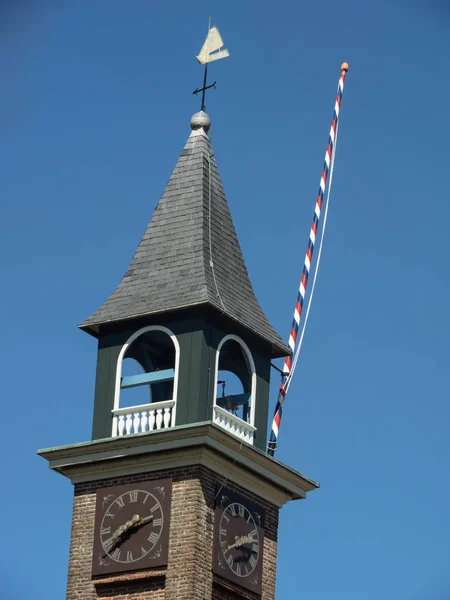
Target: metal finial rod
{"points": [[211, 50]]}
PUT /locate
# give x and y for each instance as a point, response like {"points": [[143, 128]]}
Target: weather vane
{"points": [[211, 50]]}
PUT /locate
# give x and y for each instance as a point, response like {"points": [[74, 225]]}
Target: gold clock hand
{"points": [[238, 542], [125, 527], [136, 521], [243, 539], [144, 521]]}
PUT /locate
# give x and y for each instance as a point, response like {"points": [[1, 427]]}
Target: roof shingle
{"points": [[171, 268]]}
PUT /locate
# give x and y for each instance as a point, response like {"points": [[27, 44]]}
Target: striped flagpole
{"points": [[272, 444]]}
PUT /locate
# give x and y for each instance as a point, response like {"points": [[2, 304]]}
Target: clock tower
{"points": [[175, 497]]}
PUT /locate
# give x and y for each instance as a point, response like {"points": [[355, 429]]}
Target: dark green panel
{"points": [[198, 401], [184, 374], [192, 401], [262, 365], [199, 333], [108, 354]]}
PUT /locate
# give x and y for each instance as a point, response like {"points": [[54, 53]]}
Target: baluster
{"points": [[136, 422], [159, 418], [114, 427], [128, 424], [151, 423], [167, 416], [227, 423], [144, 421], [121, 424], [234, 428]]}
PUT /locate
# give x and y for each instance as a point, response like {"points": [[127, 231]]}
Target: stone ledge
{"points": [[203, 443], [128, 577]]}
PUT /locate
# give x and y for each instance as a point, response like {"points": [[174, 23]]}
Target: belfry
{"points": [[175, 496]]}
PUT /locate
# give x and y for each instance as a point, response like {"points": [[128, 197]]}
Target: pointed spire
{"points": [[189, 254]]}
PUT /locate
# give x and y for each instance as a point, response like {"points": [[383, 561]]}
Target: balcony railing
{"points": [[143, 418], [234, 424]]}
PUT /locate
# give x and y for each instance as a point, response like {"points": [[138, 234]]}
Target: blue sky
{"points": [[95, 108]]}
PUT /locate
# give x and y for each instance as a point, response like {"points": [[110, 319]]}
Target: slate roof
{"points": [[171, 267]]}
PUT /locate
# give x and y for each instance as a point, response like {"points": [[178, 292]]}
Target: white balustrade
{"points": [[143, 418], [159, 418], [234, 425]]}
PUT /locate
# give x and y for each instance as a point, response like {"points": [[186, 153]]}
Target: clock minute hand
{"points": [[244, 539], [143, 521], [136, 521], [125, 527], [238, 542]]}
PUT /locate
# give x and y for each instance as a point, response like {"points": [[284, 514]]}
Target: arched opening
{"points": [[146, 382], [134, 396], [234, 401]]}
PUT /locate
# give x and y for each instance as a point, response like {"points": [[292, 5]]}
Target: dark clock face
{"points": [[239, 539], [131, 527]]}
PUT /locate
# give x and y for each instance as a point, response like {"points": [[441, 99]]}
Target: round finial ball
{"points": [[345, 67], [200, 120]]}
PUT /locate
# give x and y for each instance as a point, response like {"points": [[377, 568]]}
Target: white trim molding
{"points": [[117, 411], [231, 423]]}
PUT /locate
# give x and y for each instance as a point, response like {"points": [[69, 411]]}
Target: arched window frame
{"points": [[251, 362], [122, 353]]}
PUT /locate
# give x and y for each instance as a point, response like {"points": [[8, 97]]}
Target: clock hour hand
{"points": [[143, 521], [117, 535], [243, 539], [135, 522]]}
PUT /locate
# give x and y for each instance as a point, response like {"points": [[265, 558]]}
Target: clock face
{"points": [[239, 539], [131, 527]]}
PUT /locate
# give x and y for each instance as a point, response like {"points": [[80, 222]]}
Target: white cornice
{"points": [[200, 444]]}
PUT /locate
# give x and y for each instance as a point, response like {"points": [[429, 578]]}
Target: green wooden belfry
{"points": [[184, 310]]}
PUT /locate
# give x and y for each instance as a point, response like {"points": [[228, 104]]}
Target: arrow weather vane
{"points": [[211, 50]]}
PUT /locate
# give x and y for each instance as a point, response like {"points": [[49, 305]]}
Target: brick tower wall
{"points": [[188, 575]]}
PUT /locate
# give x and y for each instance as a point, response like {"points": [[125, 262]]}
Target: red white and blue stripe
{"points": [[287, 374]]}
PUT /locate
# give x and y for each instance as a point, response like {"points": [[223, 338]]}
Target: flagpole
{"points": [[289, 367]]}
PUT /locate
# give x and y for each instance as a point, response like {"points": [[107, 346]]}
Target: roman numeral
{"points": [[133, 496], [223, 532], [120, 502], [238, 569], [233, 510], [255, 547], [110, 515], [145, 499], [129, 556], [144, 551], [116, 554], [254, 533], [154, 507], [230, 561], [252, 560], [227, 519], [105, 531], [241, 510], [157, 522], [108, 544], [153, 537]]}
